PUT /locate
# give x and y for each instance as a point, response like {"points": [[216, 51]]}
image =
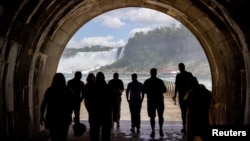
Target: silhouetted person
{"points": [[92, 106], [134, 97], [58, 104], [78, 89], [90, 92], [155, 88], [101, 111], [198, 101], [117, 87], [181, 80]]}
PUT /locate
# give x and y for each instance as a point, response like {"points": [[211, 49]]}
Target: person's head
{"points": [[153, 72], [134, 76], [58, 80], [115, 75], [78, 75], [181, 67], [192, 82], [91, 78], [100, 76]]}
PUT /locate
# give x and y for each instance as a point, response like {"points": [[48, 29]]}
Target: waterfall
{"points": [[121, 54], [87, 61]]}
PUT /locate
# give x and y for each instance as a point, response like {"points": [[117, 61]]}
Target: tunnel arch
{"points": [[214, 36], [44, 29], [216, 44]]}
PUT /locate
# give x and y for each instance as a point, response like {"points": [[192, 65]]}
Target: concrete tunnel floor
{"points": [[171, 128]]}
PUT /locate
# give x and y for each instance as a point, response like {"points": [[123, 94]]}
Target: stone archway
{"points": [[35, 34], [222, 50]]}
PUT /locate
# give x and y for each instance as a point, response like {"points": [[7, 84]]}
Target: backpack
{"points": [[79, 129]]}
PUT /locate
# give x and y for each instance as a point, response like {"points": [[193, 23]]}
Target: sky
{"points": [[115, 27]]}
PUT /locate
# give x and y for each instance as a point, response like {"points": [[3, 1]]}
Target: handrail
{"points": [[170, 88]]}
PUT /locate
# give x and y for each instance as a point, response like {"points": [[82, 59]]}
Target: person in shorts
{"points": [[154, 87]]}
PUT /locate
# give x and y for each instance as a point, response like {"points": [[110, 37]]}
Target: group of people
{"points": [[63, 99], [103, 103]]}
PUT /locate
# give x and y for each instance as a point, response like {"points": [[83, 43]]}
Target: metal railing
{"points": [[170, 88]]}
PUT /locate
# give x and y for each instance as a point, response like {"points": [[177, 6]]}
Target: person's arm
{"points": [[175, 93], [69, 83], [188, 97], [142, 94], [164, 88], [144, 91], [121, 87], [82, 92], [71, 98], [127, 92], [175, 89]]}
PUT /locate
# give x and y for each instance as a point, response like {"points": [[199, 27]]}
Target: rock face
{"points": [[164, 49], [33, 35]]}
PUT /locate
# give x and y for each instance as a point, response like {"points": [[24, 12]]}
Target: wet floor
{"points": [[171, 127], [171, 132]]}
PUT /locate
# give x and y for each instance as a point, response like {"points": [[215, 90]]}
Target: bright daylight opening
{"points": [[133, 40]]}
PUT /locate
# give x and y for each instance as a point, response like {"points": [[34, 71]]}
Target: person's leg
{"points": [[62, 136], [106, 131], [106, 135], [160, 111], [205, 133], [138, 115], [119, 101], [116, 109], [151, 113], [132, 111], [94, 131], [113, 111], [183, 115], [152, 123], [53, 134], [189, 136], [77, 112]]}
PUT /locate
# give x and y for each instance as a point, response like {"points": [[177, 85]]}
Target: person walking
{"points": [[90, 92], [117, 87], [58, 103], [154, 87], [135, 97], [181, 88], [198, 101], [78, 89], [100, 110]]}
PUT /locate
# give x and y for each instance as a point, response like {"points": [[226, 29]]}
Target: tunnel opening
{"points": [[83, 59]]}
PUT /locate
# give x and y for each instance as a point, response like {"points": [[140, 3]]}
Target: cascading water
{"points": [[87, 61], [121, 54]]}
